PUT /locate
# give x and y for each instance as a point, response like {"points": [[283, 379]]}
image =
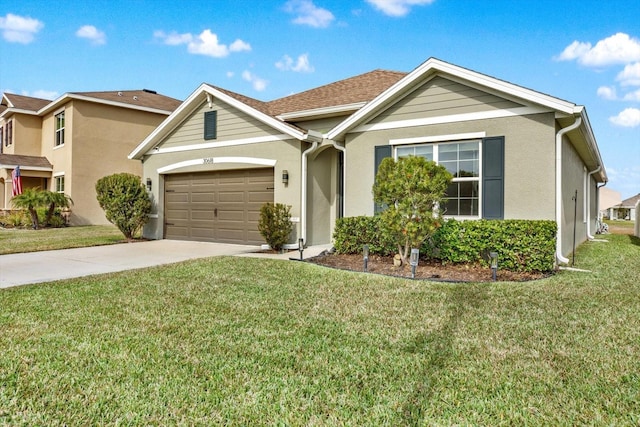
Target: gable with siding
{"points": [[232, 125], [440, 97]]}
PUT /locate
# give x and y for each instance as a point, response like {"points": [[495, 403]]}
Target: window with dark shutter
{"points": [[381, 152], [493, 178], [210, 125]]}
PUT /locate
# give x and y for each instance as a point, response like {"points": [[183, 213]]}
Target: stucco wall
{"points": [[285, 154], [529, 162], [573, 179], [27, 134]]}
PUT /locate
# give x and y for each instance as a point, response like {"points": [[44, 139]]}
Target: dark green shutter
{"points": [[210, 124], [493, 178], [381, 153]]}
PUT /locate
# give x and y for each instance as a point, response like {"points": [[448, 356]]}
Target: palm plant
{"points": [[54, 199], [30, 199]]}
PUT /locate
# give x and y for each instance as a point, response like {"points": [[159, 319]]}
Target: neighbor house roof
{"points": [[10, 161], [144, 99], [24, 103], [630, 202]]}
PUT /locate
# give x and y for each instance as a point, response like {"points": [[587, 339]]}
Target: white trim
{"points": [[57, 174], [438, 138], [218, 144], [26, 168], [321, 111], [70, 96], [454, 118], [216, 160]]}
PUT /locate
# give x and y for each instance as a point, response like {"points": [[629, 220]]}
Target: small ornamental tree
{"points": [[411, 188], [275, 224], [125, 202], [31, 199]]}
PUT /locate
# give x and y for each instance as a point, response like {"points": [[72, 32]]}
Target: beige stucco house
{"points": [[515, 154], [66, 145]]}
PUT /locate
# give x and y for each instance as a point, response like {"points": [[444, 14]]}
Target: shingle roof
{"points": [[140, 98], [361, 88], [251, 102], [630, 202], [26, 102], [24, 161]]}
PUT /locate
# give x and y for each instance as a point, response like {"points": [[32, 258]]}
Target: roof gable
{"points": [[434, 67], [206, 93], [25, 103]]}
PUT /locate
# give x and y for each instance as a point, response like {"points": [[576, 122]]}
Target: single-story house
{"points": [[608, 198], [515, 154], [626, 209], [67, 144]]}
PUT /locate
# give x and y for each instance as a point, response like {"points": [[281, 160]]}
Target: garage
{"points": [[220, 206]]}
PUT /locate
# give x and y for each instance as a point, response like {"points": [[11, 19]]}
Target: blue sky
{"points": [[586, 52]]}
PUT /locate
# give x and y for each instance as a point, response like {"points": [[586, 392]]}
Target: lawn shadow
{"points": [[634, 240], [437, 346]]}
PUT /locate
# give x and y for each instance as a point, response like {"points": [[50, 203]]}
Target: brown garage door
{"points": [[221, 206]]}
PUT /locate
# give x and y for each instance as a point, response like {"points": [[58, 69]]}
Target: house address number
{"points": [[208, 161]]}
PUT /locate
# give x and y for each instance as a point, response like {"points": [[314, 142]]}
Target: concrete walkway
{"points": [[48, 266]]}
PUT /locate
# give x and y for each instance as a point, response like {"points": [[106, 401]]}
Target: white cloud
{"points": [[19, 29], [301, 65], [257, 83], [92, 33], [630, 75], [206, 43], [309, 14], [629, 117], [230, 74], [397, 7], [607, 92], [632, 96], [619, 48]]}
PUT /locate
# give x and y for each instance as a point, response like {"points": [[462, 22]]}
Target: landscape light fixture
{"points": [[148, 184], [413, 260], [365, 256], [301, 247], [494, 264], [285, 177]]}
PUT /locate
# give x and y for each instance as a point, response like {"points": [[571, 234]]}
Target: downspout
{"points": [[589, 236], [303, 206], [344, 175], [559, 257]]}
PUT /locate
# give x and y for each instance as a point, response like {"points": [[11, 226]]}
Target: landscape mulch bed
{"points": [[426, 269]]}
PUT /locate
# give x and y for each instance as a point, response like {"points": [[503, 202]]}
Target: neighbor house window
{"points": [[59, 128], [8, 133], [59, 182], [462, 160], [210, 125]]}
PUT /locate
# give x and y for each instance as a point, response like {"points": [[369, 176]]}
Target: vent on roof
{"points": [[150, 91], [119, 93], [135, 98]]}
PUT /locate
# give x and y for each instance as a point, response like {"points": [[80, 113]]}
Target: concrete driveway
{"points": [[36, 267]]}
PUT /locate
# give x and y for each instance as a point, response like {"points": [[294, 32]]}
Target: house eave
{"points": [[72, 96], [321, 112]]}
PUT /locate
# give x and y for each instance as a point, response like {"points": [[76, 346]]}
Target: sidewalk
{"points": [[48, 266]]}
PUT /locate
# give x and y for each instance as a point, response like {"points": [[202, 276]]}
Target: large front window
{"points": [[462, 160], [59, 128]]}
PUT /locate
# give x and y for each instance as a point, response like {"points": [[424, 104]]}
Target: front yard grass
{"points": [[245, 341], [16, 240]]}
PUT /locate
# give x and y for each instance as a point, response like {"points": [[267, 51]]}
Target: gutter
{"points": [[344, 174], [303, 196], [559, 257], [589, 236]]}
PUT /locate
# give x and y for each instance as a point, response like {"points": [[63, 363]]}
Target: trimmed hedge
{"points": [[522, 245]]}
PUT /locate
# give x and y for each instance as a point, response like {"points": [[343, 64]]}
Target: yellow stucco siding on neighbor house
{"points": [[27, 128]]}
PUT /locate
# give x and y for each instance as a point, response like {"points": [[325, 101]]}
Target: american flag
{"points": [[17, 181]]}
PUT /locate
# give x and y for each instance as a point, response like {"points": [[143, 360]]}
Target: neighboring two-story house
{"points": [[66, 145]]}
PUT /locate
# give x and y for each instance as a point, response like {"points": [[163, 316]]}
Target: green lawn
{"points": [[16, 240], [245, 341]]}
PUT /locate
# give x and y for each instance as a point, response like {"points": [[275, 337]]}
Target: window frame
{"points": [[58, 140], [435, 143], [8, 128], [210, 125], [57, 180]]}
